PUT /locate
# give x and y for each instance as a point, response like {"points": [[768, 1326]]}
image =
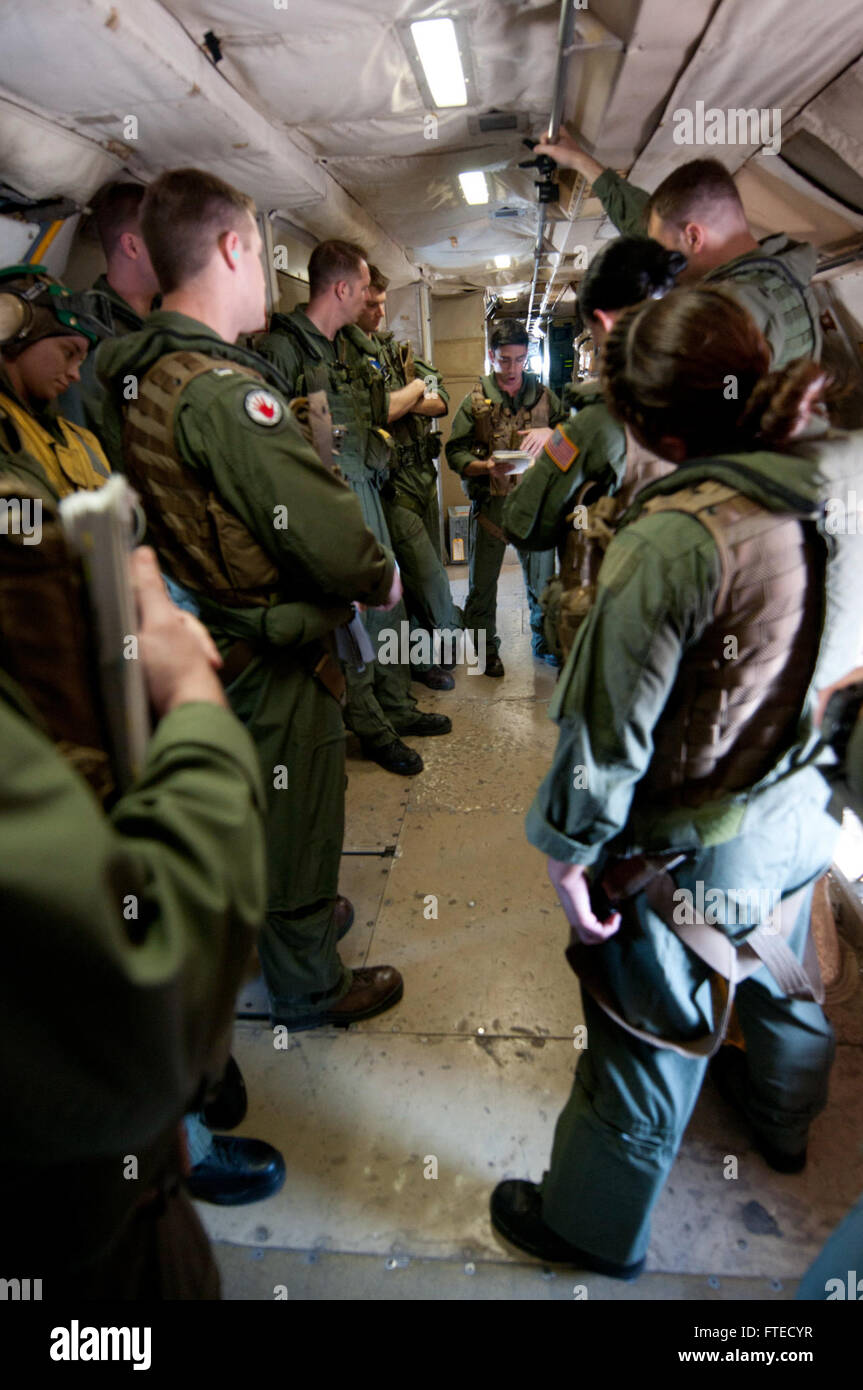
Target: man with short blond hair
{"points": [[273, 548]]}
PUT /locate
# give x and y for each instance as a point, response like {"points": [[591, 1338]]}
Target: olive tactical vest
{"points": [[201, 542], [410, 430], [592, 525], [737, 700], [413, 472], [799, 309], [76, 465], [497, 426], [356, 393]]}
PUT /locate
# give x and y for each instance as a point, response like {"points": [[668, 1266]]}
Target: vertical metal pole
{"points": [[427, 341], [564, 39]]}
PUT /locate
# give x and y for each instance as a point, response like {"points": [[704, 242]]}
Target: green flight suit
{"points": [[533, 515], [617, 1137], [411, 504], [82, 402], [486, 550], [326, 557], [780, 300], [379, 703], [127, 937]]}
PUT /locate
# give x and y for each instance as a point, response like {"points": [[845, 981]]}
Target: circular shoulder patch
{"points": [[262, 407]]}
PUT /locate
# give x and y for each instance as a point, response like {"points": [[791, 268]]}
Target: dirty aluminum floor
{"points": [[465, 1077]]}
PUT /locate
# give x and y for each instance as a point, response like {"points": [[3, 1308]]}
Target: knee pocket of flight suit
{"points": [[404, 524], [646, 1116]]}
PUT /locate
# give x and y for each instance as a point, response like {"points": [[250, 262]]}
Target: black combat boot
{"points": [[395, 757], [236, 1171], [516, 1214]]}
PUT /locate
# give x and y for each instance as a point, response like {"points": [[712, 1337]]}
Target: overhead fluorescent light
{"points": [[437, 46], [474, 187], [509, 296], [503, 262]]}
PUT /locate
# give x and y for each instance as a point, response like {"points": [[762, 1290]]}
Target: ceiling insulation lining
{"points": [[66, 163], [90, 65], [834, 117], [790, 56], [660, 35], [345, 89], [315, 109]]}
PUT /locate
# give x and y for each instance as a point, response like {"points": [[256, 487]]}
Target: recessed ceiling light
{"points": [[474, 187], [437, 46], [503, 262]]}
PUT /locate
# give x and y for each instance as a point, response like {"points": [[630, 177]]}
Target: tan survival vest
{"points": [[736, 702], [76, 465], [592, 524], [496, 426], [205, 545]]}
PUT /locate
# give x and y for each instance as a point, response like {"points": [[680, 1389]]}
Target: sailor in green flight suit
{"points": [[410, 497], [686, 713], [508, 409], [129, 286], [697, 210], [131, 1018], [590, 446], [311, 349], [274, 549]]}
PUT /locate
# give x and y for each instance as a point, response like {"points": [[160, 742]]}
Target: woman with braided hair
{"points": [[684, 815]]}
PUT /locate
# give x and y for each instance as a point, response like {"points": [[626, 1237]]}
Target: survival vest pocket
{"points": [[246, 565]]}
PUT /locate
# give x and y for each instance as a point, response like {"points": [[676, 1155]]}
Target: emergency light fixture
{"points": [[437, 47], [474, 187]]}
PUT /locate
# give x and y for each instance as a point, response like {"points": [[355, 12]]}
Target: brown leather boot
{"points": [[374, 989], [344, 915]]}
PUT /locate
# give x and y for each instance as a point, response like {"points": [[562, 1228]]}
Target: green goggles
{"points": [[87, 312]]}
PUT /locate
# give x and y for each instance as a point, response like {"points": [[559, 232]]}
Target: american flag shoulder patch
{"points": [[561, 450]]}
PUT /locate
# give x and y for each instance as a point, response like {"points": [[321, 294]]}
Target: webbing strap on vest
{"points": [[766, 945], [698, 501]]}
